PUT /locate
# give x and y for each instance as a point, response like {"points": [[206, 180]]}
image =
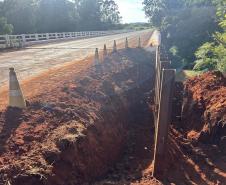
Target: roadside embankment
{"points": [[205, 107], [73, 133]]}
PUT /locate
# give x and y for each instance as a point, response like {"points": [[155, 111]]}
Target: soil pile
{"points": [[205, 108], [196, 152], [73, 133]]}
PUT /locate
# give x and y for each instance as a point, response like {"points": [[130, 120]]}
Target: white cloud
{"points": [[131, 10]]}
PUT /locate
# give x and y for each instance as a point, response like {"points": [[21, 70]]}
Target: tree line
{"points": [[193, 31], [41, 16]]}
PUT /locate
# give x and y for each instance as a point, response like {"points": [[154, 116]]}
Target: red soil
{"points": [[73, 131], [197, 145], [206, 95], [91, 122], [188, 160]]}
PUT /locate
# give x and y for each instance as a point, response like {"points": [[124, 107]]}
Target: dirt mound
{"points": [[73, 133], [193, 163], [196, 149], [205, 108]]}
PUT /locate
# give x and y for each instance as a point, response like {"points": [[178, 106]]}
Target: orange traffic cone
{"points": [[96, 59], [16, 98], [114, 47]]}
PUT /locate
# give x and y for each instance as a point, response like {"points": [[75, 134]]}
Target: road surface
{"points": [[36, 59]]}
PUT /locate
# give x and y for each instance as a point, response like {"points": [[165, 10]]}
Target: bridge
{"points": [[12, 41], [43, 54]]}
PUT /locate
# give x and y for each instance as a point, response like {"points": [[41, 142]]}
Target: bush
{"points": [[207, 64]]}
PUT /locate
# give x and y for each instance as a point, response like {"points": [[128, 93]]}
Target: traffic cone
{"points": [[139, 43], [96, 59], [16, 98], [115, 47], [105, 51], [127, 43]]}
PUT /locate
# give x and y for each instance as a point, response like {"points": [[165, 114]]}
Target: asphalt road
{"points": [[36, 59]]}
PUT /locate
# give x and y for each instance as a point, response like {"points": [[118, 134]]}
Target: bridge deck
{"points": [[36, 59]]}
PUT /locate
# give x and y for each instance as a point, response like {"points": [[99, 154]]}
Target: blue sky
{"points": [[131, 10]]}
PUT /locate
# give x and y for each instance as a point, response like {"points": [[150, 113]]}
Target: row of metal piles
{"points": [[163, 99]]}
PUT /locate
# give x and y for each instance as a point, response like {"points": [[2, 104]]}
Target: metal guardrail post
{"points": [[36, 37], [164, 65], [23, 39], [47, 36], [7, 41], [163, 121], [157, 84], [158, 67]]}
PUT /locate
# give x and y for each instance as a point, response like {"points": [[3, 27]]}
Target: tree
{"points": [[31, 16], [188, 31], [214, 53], [158, 10], [203, 55], [21, 14], [110, 14], [89, 14], [1, 9], [185, 25], [5, 28], [55, 16], [155, 10]]}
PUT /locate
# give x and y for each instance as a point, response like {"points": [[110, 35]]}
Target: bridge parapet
{"points": [[12, 41]]}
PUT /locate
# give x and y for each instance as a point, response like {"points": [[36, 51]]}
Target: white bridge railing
{"points": [[11, 41]]}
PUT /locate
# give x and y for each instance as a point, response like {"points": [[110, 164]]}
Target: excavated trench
{"points": [[76, 132], [96, 127], [196, 153]]}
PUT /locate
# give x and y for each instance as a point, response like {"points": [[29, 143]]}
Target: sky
{"points": [[131, 11]]}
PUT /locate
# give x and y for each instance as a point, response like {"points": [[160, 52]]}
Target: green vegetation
{"points": [[35, 16], [5, 28], [193, 31], [137, 26], [212, 55]]}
